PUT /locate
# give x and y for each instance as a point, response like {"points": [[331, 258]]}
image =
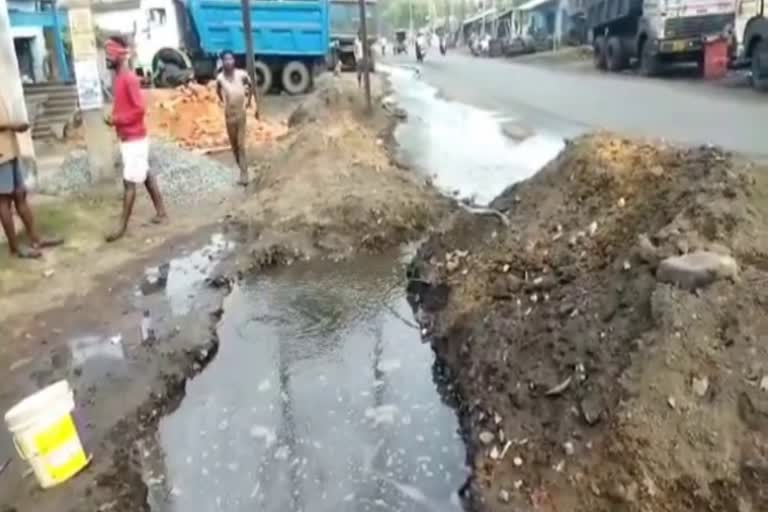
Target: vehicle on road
{"points": [[400, 42], [655, 32], [751, 40], [345, 25], [290, 38]]}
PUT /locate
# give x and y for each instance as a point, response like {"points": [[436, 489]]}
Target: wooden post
{"points": [[366, 57], [250, 65]]}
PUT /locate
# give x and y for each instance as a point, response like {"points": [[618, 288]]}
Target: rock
{"points": [[592, 228], [764, 383], [697, 269], [568, 448], [753, 410], [622, 202], [592, 408], [517, 461], [504, 496], [646, 251], [671, 402], [48, 273], [486, 437], [700, 386], [495, 453], [657, 170]]}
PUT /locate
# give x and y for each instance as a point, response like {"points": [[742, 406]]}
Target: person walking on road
{"points": [[127, 118], [13, 192], [360, 61], [234, 89]]}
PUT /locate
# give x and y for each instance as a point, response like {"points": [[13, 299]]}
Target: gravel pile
{"points": [[74, 176], [183, 176]]}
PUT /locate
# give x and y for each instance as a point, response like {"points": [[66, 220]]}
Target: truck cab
{"points": [[751, 40]]}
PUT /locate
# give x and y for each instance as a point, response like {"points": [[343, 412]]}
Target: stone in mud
{"points": [[592, 407], [696, 270], [486, 437]]}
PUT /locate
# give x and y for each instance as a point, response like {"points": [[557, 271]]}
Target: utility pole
{"points": [[366, 57], [250, 65]]}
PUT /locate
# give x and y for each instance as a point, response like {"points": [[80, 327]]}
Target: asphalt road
{"points": [[569, 101]]}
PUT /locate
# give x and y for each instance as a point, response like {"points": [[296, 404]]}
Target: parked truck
{"points": [[290, 38], [345, 24], [655, 32], [751, 40]]}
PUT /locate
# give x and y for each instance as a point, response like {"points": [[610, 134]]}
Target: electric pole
{"points": [[366, 56], [250, 65]]}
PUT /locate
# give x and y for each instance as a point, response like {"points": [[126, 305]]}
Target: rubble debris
{"points": [[697, 269], [486, 437], [638, 350], [192, 116]]}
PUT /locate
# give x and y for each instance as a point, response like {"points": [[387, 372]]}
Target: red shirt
{"points": [[128, 107]]}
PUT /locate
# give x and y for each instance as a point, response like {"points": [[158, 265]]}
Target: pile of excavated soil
{"points": [[192, 117], [332, 189], [591, 377]]}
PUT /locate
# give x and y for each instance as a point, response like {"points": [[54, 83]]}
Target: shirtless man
{"points": [[234, 89]]}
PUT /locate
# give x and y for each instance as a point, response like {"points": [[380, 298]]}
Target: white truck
{"points": [[751, 40], [655, 32]]}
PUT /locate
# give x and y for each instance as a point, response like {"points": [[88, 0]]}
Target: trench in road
{"points": [[322, 396]]}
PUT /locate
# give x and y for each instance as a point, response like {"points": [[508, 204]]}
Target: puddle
{"points": [[321, 398], [463, 147], [182, 278]]}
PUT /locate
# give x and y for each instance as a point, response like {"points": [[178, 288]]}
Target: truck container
{"points": [[751, 40], [290, 38], [655, 32], [345, 24]]}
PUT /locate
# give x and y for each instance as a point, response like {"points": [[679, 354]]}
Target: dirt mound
{"points": [[587, 383], [332, 189], [192, 117]]}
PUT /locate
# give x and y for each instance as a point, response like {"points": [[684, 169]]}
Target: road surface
{"points": [[569, 101]]}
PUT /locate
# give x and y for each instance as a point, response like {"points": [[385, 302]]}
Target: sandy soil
{"points": [[335, 190], [585, 383]]}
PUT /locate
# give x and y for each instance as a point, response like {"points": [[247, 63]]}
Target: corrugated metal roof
{"points": [[480, 15], [533, 4]]}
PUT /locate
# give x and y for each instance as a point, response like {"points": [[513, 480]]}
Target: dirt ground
{"points": [[335, 189], [585, 382], [309, 199]]}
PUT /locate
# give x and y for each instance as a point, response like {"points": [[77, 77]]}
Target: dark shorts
{"points": [[11, 177]]}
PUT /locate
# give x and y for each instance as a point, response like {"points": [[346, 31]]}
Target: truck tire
{"points": [[760, 66], [615, 56], [296, 77], [649, 61], [598, 52], [263, 76]]}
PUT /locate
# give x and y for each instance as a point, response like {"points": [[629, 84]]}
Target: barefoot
{"points": [[113, 237], [159, 219], [25, 253]]}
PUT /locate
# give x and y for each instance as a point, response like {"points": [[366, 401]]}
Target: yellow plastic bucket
{"points": [[45, 434]]}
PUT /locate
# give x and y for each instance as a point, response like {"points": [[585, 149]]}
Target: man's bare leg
{"points": [[25, 213], [6, 219], [157, 200], [129, 197], [242, 160]]}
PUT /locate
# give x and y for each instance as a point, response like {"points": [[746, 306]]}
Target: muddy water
{"points": [[469, 151], [321, 398]]}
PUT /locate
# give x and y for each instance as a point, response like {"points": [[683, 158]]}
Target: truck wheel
{"points": [[615, 58], [760, 66], [296, 77], [598, 52], [649, 61], [263, 76]]}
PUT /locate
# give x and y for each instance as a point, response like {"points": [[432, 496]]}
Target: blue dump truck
{"points": [[290, 38]]}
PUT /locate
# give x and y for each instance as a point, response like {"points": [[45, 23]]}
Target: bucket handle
{"points": [[18, 449]]}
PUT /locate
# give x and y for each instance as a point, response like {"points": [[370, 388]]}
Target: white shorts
{"points": [[135, 155]]}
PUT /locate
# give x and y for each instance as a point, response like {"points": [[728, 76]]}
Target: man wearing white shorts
{"points": [[128, 119]]}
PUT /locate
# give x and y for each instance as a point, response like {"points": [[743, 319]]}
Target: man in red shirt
{"points": [[128, 119]]}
